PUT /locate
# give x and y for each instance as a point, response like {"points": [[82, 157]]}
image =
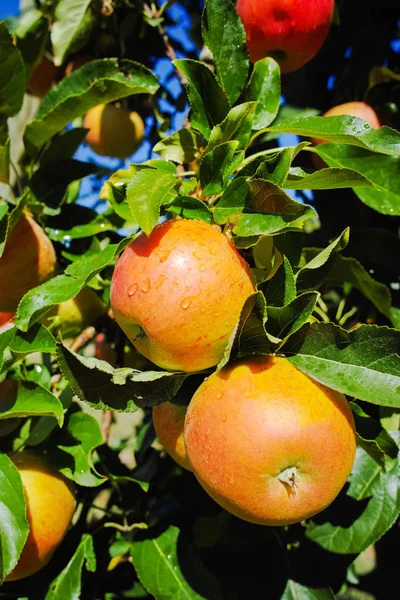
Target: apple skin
{"points": [[168, 420], [267, 442], [28, 260], [291, 31], [113, 131], [50, 500], [43, 77], [178, 294], [353, 109]]}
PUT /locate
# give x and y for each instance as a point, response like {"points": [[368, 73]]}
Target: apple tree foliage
{"points": [[324, 248]]}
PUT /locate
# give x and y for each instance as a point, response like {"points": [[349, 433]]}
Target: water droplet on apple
{"points": [[197, 255], [160, 281], [219, 395], [132, 289], [202, 268], [186, 302], [163, 254], [224, 418], [145, 285]]}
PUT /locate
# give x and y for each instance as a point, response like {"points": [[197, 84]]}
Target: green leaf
{"points": [[12, 75], [9, 217], [382, 171], [181, 147], [296, 591], [38, 301], [145, 193], [209, 104], [236, 126], [62, 146], [4, 151], [328, 179], [366, 481], [50, 182], [259, 207], [27, 399], [249, 336], [72, 25], [84, 436], [346, 269], [159, 568], [216, 167], [264, 88], [346, 129], [14, 526], [98, 225], [32, 34], [280, 290], [373, 438], [97, 82], [224, 34], [317, 264], [364, 363], [188, 207], [16, 344], [286, 320], [103, 387], [67, 585]]}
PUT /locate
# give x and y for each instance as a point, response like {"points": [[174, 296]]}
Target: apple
{"points": [[28, 260], [50, 501], [113, 130], [72, 316], [268, 443], [291, 31], [43, 77], [178, 294], [168, 420]]}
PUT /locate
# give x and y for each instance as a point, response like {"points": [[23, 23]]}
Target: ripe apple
{"points": [[72, 316], [353, 109], [113, 131], [43, 77], [268, 443], [28, 260], [178, 294], [168, 420], [50, 501], [291, 31]]}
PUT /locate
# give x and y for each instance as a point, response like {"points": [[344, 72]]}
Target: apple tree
{"points": [[231, 144]]}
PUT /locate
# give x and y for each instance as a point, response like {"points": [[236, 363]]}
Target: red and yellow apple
{"points": [[113, 130], [178, 294], [43, 77], [27, 261], [50, 503], [268, 443], [291, 31], [168, 420]]}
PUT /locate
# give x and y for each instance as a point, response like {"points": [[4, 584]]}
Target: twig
{"points": [[106, 422], [83, 338]]}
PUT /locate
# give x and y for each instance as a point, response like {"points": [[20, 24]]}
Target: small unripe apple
{"points": [[50, 500], [268, 443], [291, 31], [113, 131], [168, 420], [72, 316], [28, 260], [352, 109], [178, 294]]}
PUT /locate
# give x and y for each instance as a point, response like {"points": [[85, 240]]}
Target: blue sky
{"points": [[8, 8]]}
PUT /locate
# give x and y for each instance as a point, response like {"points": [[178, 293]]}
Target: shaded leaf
{"points": [[216, 167], [286, 320], [12, 75], [281, 288], [26, 398], [296, 591], [181, 147]]}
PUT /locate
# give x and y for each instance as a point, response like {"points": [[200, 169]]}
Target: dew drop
{"points": [[197, 255], [186, 302], [132, 289], [219, 395], [163, 255], [175, 284], [145, 285], [202, 268], [224, 418], [213, 251], [160, 281]]}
